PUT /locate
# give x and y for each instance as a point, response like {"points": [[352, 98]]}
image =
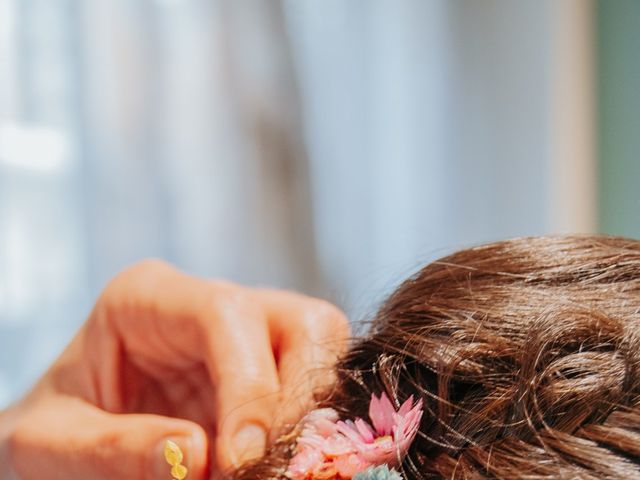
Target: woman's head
{"points": [[525, 353]]}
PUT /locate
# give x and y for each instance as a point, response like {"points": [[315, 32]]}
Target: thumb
{"points": [[72, 440]]}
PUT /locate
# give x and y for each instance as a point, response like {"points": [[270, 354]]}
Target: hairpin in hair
{"points": [[331, 449], [173, 456]]}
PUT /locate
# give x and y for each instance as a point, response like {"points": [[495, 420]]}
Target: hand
{"points": [[212, 366]]}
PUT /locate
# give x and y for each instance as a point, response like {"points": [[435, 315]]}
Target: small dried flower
{"points": [[331, 449], [378, 473]]}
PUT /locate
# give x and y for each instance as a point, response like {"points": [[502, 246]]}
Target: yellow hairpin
{"points": [[173, 456]]}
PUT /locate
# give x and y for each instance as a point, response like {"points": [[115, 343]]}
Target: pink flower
{"points": [[332, 449]]}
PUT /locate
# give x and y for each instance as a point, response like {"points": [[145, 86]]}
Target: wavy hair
{"points": [[526, 354]]}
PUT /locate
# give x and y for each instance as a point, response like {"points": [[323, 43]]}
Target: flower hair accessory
{"points": [[331, 449]]}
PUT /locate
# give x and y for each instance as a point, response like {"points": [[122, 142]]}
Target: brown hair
{"points": [[526, 354]]}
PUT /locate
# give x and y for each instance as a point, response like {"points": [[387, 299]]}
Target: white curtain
{"points": [[331, 146]]}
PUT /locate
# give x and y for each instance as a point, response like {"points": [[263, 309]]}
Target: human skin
{"points": [[213, 366]]}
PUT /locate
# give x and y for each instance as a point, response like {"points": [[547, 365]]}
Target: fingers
{"points": [[257, 345], [244, 370], [270, 351], [66, 439], [308, 336], [168, 320], [156, 317]]}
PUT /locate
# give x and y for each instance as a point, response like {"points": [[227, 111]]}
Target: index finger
{"points": [[308, 336], [170, 320]]}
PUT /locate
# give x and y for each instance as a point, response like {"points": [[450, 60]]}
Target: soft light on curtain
{"points": [[324, 145]]}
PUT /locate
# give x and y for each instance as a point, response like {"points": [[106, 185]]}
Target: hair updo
{"points": [[526, 354]]}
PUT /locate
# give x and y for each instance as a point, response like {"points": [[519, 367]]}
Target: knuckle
{"points": [[140, 272], [117, 295], [331, 319], [218, 301], [227, 302], [147, 267]]}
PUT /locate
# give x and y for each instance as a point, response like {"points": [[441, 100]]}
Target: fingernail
{"points": [[249, 443], [161, 467]]}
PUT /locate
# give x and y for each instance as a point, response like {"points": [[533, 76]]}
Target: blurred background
{"points": [[329, 146]]}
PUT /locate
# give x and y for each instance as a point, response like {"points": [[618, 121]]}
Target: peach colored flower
{"points": [[331, 449]]}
